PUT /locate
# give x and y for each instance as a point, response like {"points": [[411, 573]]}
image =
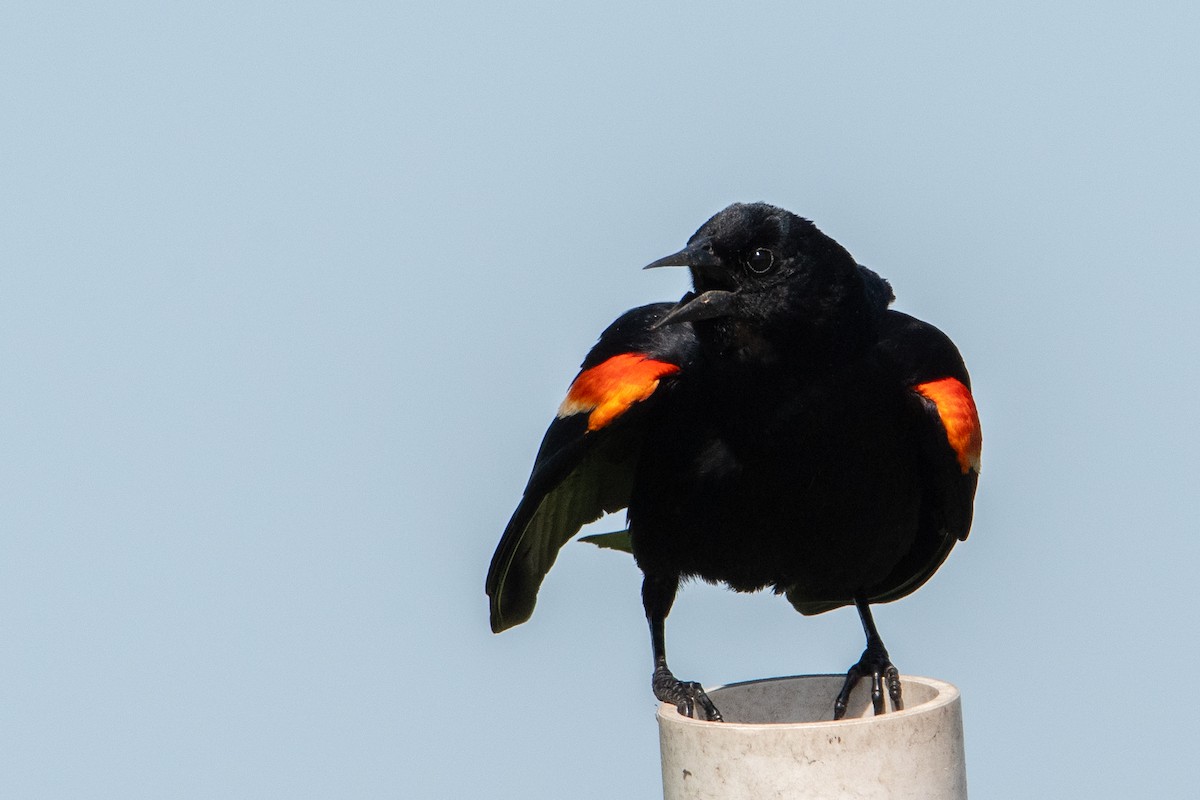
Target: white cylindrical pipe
{"points": [[779, 740]]}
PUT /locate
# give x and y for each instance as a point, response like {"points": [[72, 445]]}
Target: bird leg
{"points": [[658, 594], [874, 662]]}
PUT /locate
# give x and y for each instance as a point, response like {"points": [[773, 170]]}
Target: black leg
{"points": [[658, 594], [874, 662]]}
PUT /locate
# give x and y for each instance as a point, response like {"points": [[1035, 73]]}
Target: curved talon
{"points": [[874, 662], [687, 696], [892, 676], [853, 675], [877, 691]]}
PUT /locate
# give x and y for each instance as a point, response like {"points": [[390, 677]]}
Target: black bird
{"points": [[778, 427]]}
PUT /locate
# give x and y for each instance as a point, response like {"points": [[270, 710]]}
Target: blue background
{"points": [[289, 291]]}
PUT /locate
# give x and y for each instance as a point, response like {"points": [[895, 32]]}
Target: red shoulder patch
{"points": [[959, 417], [609, 389]]}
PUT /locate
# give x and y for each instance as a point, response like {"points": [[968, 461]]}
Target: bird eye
{"points": [[760, 261]]}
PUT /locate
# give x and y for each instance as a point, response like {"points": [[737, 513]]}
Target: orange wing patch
{"points": [[956, 407], [607, 390]]}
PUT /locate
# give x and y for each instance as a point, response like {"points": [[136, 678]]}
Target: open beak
{"points": [[698, 257]]}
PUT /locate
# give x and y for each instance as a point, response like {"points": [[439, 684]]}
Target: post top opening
{"points": [[808, 700]]}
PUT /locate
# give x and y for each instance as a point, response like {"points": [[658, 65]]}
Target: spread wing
{"points": [[585, 465]]}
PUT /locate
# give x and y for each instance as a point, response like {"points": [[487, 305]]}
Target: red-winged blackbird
{"points": [[778, 427]]}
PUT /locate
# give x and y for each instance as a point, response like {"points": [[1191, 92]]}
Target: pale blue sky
{"points": [[288, 293]]}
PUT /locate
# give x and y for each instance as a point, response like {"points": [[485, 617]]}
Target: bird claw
{"points": [[874, 662], [687, 696]]}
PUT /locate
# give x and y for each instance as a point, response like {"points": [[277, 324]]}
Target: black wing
{"points": [[946, 422], [585, 465]]}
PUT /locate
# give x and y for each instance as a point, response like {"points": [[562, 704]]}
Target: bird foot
{"points": [[875, 663], [687, 696]]}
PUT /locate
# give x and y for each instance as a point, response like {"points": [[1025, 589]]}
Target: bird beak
{"points": [[698, 255], [713, 303], [679, 259]]}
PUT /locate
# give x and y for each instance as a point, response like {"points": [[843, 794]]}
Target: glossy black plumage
{"points": [[778, 428]]}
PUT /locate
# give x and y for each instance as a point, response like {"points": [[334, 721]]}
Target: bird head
{"points": [[753, 262]]}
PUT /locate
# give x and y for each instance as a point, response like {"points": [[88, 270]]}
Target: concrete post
{"points": [[779, 740]]}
